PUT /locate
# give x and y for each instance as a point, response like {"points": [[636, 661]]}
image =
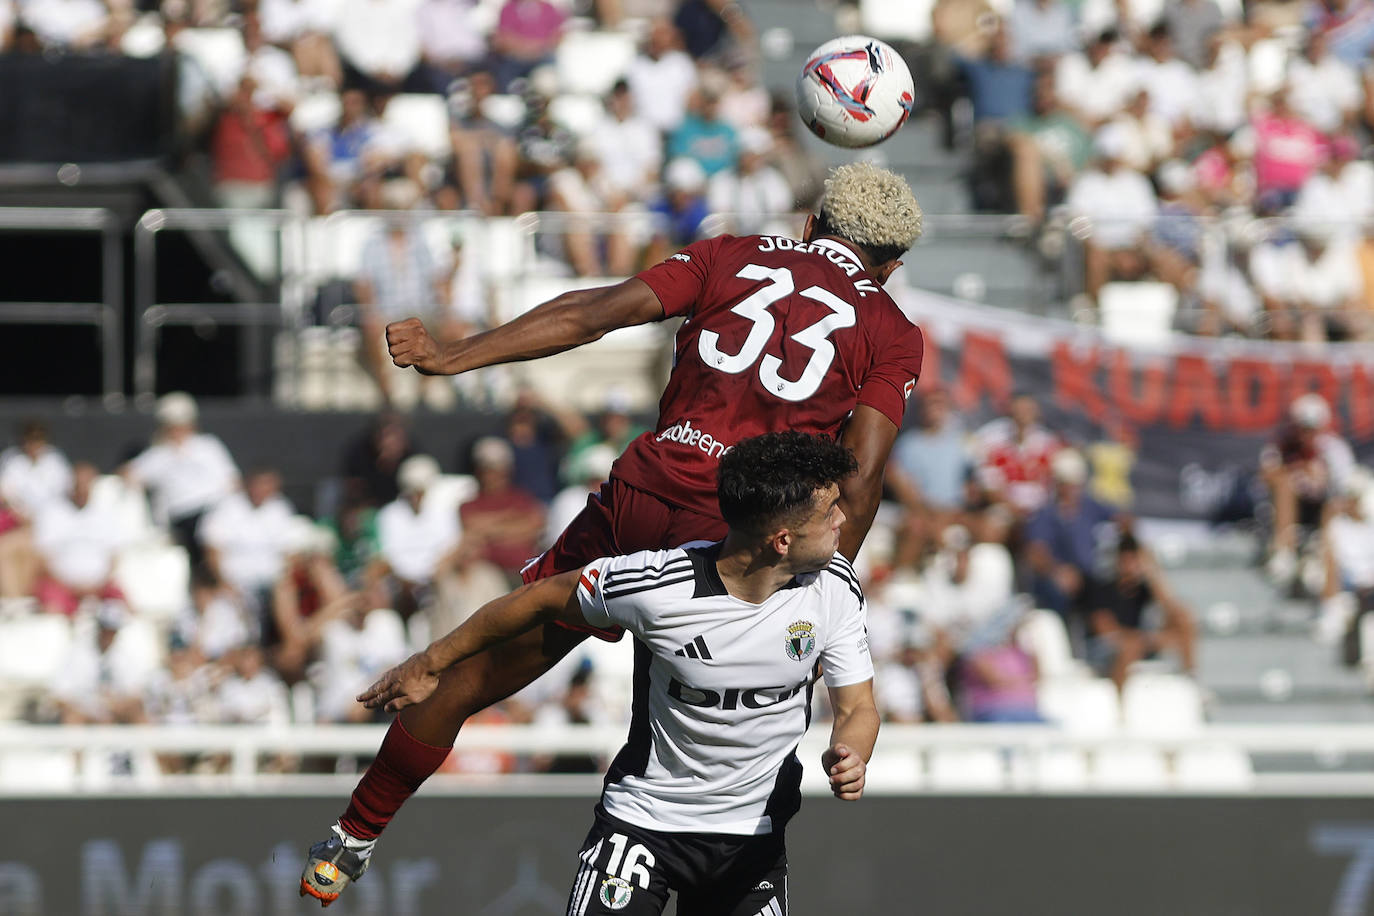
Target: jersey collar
{"points": [[708, 581], [841, 248]]}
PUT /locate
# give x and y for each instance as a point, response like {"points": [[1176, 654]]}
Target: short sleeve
{"points": [[149, 466], [680, 281], [894, 377], [845, 659], [591, 597]]}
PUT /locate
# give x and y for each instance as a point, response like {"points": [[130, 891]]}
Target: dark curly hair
{"points": [[769, 478]]}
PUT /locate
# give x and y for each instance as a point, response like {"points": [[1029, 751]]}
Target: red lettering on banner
{"points": [[982, 369], [1075, 382], [1252, 388], [1318, 377], [1140, 410], [1195, 392], [1360, 400]]}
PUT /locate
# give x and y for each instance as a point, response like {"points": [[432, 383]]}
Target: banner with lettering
{"points": [[1192, 414]]}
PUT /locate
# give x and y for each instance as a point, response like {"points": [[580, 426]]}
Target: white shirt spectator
{"points": [[961, 608], [449, 32], [1172, 85], [257, 700], [79, 545], [379, 37], [661, 87], [1098, 93], [27, 484], [1344, 199], [1223, 285], [1220, 101], [1121, 205], [251, 541], [65, 23], [413, 543], [220, 626], [631, 154], [563, 509], [283, 21], [1324, 94], [352, 657], [275, 73], [1146, 140], [188, 477], [1287, 274], [1041, 30], [1352, 544], [88, 677], [182, 695], [752, 200]]}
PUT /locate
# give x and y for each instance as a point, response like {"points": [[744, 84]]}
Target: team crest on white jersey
{"points": [[801, 640], [615, 893]]}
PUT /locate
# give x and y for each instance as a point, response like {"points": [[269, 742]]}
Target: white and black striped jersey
{"points": [[722, 687]]}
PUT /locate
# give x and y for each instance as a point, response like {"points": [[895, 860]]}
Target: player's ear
{"points": [[885, 270], [809, 230], [781, 541]]}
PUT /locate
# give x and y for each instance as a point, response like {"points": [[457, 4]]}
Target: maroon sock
{"points": [[402, 764]]}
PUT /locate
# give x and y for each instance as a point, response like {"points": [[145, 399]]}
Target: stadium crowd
{"points": [[1220, 149]]}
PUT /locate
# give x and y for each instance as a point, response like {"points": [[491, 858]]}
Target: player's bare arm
{"points": [[415, 679], [852, 737], [570, 320], [869, 435]]}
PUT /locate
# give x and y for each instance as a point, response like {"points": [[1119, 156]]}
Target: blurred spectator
{"points": [[998, 85], [1223, 172], [1341, 194], [244, 538], [182, 692], [354, 650], [1348, 553], [713, 28], [1012, 456], [337, 159], [803, 169], [250, 143], [104, 677], [373, 459], [31, 474], [911, 687], [963, 587], [1324, 90], [526, 35], [1229, 302], [1096, 83], [1111, 459], [304, 27], [188, 472], [1193, 24], [1175, 246], [1146, 139], [615, 429], [681, 211], [451, 42], [587, 471], [398, 278], [996, 677], [1171, 81], [503, 521], [545, 146], [1310, 287], [216, 621], [577, 705], [744, 101], [584, 190], [274, 71], [1222, 87], [1049, 147], [1063, 540], [309, 592], [1287, 151], [1347, 26], [67, 24], [252, 694], [928, 472], [1121, 206], [416, 541], [1040, 29], [1121, 635], [379, 45], [753, 193], [1305, 466], [629, 147], [662, 77], [703, 137], [538, 431], [77, 542], [484, 153]]}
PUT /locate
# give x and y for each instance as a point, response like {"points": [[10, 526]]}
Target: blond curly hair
{"points": [[872, 207]]}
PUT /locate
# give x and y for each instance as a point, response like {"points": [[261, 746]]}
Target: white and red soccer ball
{"points": [[854, 91]]}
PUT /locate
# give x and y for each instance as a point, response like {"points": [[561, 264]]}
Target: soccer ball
{"points": [[854, 91]]}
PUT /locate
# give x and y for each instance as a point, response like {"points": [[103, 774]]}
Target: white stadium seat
{"points": [[1137, 314], [1044, 636], [1129, 768], [219, 52], [422, 118], [972, 769], [315, 112], [1213, 767], [591, 62], [110, 491], [450, 491], [577, 113], [1080, 704], [32, 649], [1161, 704], [896, 19], [155, 578]]}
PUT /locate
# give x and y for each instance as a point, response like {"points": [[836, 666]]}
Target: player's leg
{"points": [[621, 870]]}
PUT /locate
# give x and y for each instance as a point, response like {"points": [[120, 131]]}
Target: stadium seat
{"points": [[1080, 704], [958, 769], [907, 20], [315, 112], [155, 578], [507, 111], [422, 118], [577, 113], [590, 62], [111, 491], [1059, 769], [1213, 767], [219, 53], [32, 649], [1268, 65], [1044, 636], [38, 770], [1137, 314], [1129, 768], [1161, 704], [145, 38]]}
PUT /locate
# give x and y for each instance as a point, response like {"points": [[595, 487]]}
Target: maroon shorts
{"points": [[617, 520]]}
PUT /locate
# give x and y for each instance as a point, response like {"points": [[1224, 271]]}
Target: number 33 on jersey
{"points": [[779, 334]]}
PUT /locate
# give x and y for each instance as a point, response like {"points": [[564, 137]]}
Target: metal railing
{"points": [[107, 314]]}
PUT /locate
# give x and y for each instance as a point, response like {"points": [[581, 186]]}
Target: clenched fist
{"points": [[410, 345]]}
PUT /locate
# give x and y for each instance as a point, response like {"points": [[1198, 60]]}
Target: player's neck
{"points": [[749, 570]]}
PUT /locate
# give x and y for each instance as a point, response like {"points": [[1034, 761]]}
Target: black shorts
{"points": [[628, 871]]}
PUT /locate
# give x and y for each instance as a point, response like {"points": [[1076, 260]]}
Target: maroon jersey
{"points": [[779, 335]]}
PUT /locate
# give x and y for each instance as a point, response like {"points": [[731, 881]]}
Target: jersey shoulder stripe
{"points": [[627, 576], [849, 582], [658, 583]]}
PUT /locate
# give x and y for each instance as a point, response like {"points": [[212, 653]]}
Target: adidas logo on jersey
{"points": [[695, 649]]}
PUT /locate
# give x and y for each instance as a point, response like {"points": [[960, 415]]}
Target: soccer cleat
{"points": [[333, 863]]}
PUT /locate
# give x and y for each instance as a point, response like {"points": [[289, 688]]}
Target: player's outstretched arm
{"points": [[852, 737], [570, 320], [416, 678], [869, 435]]}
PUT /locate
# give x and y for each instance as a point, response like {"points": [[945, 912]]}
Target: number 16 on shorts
{"points": [[616, 875]]}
